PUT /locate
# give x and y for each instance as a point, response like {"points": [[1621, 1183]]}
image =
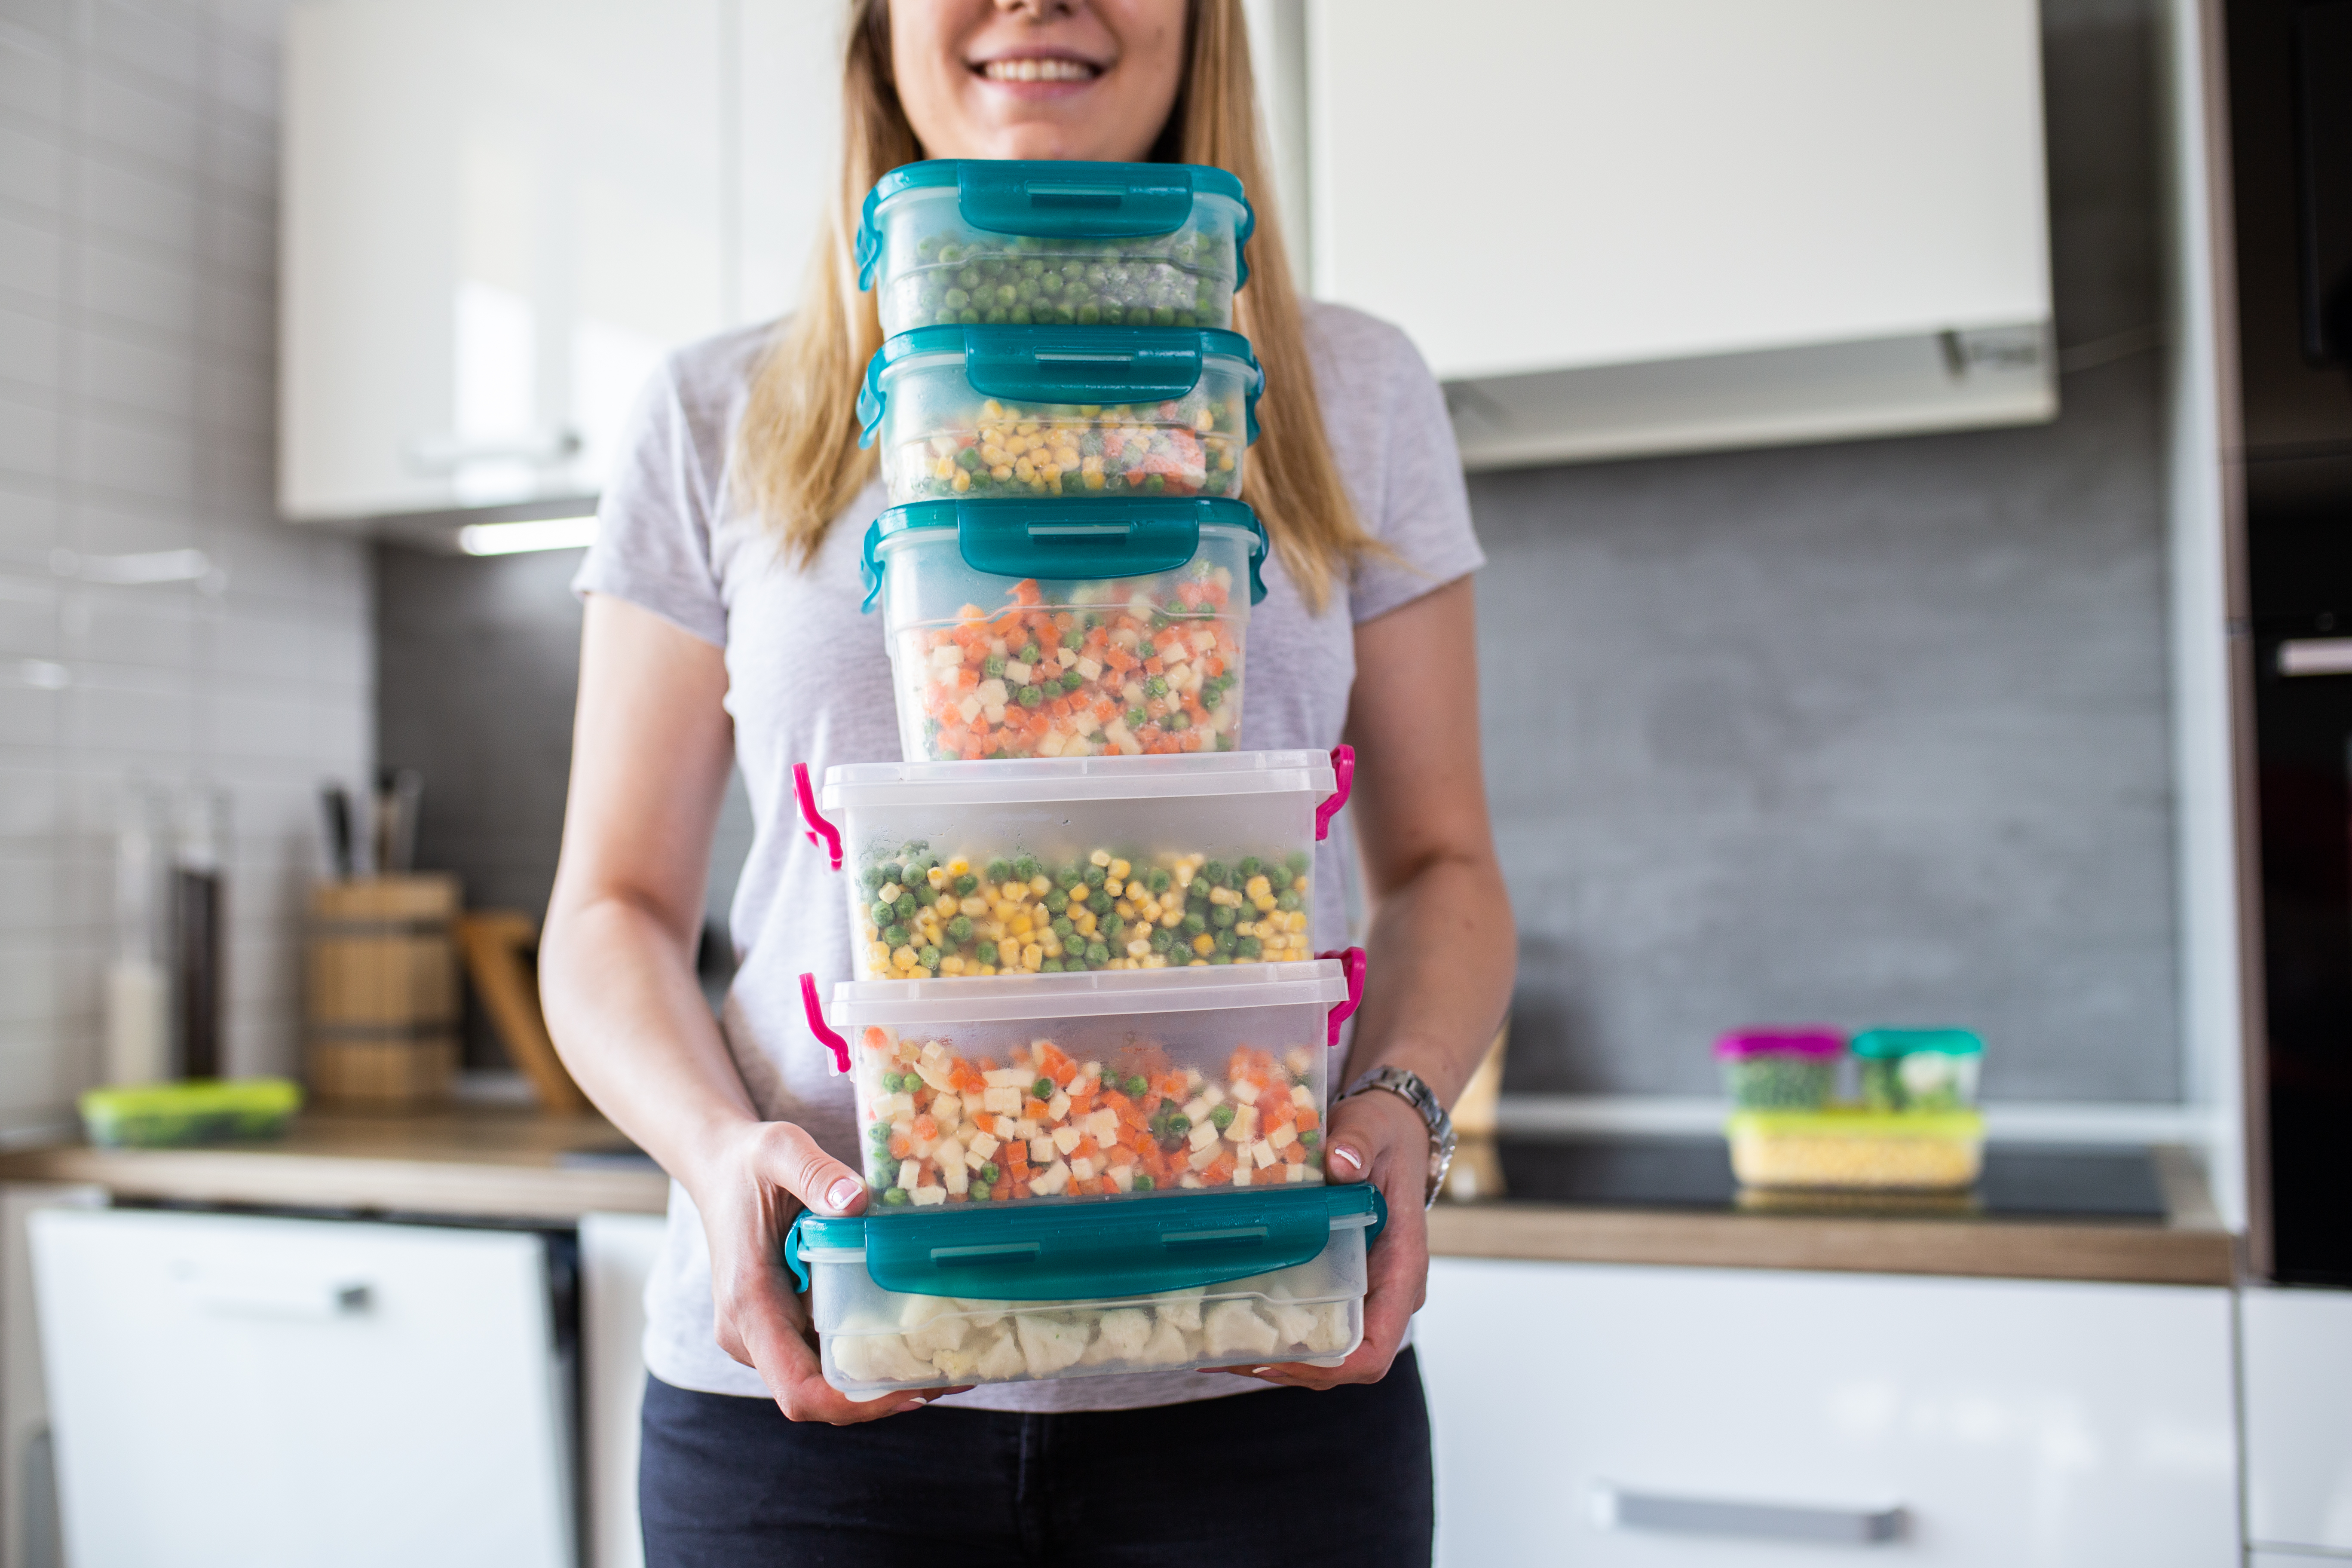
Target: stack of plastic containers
{"points": [[1917, 1127], [1088, 1037]]}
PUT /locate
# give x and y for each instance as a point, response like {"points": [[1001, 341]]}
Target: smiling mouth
{"points": [[1038, 69]]}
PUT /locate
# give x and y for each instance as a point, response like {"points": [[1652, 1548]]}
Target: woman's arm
{"points": [[1442, 948], [651, 750]]}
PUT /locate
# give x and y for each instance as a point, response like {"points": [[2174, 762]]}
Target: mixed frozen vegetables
{"points": [[1153, 665], [1185, 446], [922, 915], [941, 1128]]}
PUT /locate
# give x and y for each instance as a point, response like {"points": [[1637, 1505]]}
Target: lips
{"points": [[1039, 69]]}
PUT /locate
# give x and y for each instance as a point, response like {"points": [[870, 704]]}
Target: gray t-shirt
{"points": [[809, 680]]}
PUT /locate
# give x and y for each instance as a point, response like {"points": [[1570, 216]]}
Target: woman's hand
{"points": [[1375, 1137], [753, 1182]]}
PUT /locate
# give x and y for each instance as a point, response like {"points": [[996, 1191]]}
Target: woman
{"points": [[723, 627]]}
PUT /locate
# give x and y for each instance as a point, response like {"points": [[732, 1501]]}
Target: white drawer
{"points": [[2010, 1423], [254, 1393], [2298, 1361]]}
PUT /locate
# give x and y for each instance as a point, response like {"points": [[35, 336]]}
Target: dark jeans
{"points": [[1285, 1476]]}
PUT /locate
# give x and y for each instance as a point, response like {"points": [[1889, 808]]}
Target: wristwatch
{"points": [[1408, 1086]]}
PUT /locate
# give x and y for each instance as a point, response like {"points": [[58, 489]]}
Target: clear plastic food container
{"points": [[1065, 628], [1919, 1069], [974, 241], [1067, 1087], [935, 1298], [992, 412], [1769, 1069], [166, 1115], [1852, 1147], [1050, 865]]}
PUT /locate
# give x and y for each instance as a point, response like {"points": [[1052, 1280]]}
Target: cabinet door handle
{"points": [[318, 1301], [1621, 1508]]}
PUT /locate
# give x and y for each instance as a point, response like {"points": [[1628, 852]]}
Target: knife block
{"points": [[382, 1006]]}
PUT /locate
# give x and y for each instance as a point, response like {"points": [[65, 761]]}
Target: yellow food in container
{"points": [[1850, 1147]]}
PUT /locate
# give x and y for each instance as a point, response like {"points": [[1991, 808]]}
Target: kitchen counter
{"points": [[2137, 1216]]}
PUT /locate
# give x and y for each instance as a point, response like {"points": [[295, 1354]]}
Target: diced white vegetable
{"points": [[1007, 1078], [981, 1150], [1066, 657], [992, 694], [1084, 722], [969, 707], [1123, 1177], [1168, 1346], [1103, 1127], [1041, 1152], [907, 1170], [933, 1324], [929, 1197], [1088, 667], [1066, 1139], [1082, 1168], [947, 656], [894, 1105], [947, 1108], [1182, 1308], [1242, 1169], [1282, 1137], [1263, 1153], [1189, 1180], [1200, 1159], [1294, 1173], [1214, 1095], [1121, 1335], [1017, 673], [1000, 1101], [1203, 1133], [1027, 1130], [1196, 1109], [1231, 1328], [878, 1358], [1246, 1093], [1058, 1107], [1000, 1358], [1050, 1342], [951, 1167], [1054, 745]]}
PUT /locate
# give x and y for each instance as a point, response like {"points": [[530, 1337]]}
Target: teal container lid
{"points": [[1063, 364], [1093, 1249], [1053, 198], [1882, 1043], [1063, 539]]}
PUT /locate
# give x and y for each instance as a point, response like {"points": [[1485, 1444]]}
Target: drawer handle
{"points": [[1620, 1508], [323, 1303]]}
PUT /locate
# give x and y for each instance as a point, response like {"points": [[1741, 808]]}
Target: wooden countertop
{"points": [[510, 1163]]}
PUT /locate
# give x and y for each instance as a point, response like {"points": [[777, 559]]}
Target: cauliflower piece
{"points": [[1050, 1342], [1333, 1335], [982, 1314], [1230, 1328], [1167, 1347], [1121, 1336], [933, 1324], [1182, 1308], [1294, 1322], [879, 1358], [1000, 1359]]}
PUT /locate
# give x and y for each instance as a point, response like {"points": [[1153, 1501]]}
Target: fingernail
{"points": [[843, 1192], [1341, 1151], [1260, 1371]]}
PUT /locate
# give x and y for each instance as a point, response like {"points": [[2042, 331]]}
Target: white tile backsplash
{"points": [[138, 265]]}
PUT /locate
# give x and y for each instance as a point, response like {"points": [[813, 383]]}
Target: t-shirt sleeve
{"points": [[1422, 513], [652, 525]]}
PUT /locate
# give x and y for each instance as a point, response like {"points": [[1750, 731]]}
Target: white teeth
{"points": [[1038, 70]]}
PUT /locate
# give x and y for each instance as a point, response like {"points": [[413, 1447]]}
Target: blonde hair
{"points": [[796, 452]]}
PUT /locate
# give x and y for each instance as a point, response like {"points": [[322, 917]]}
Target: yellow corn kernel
{"points": [[1099, 857], [1138, 949], [1173, 916], [1021, 924], [1094, 480], [1014, 892], [952, 964], [1204, 945], [992, 409], [1262, 902], [1118, 868], [1299, 884], [1041, 884], [1205, 420], [1123, 910], [1257, 887], [878, 955], [890, 893], [904, 957], [1113, 887], [1295, 919], [975, 906], [1032, 955], [1085, 921], [958, 865], [962, 481]]}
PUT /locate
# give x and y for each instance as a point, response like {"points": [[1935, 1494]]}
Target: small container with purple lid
{"points": [[1786, 1069]]}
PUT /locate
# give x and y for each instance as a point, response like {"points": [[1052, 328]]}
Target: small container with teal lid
{"points": [[1065, 627], [1031, 412], [986, 241], [1919, 1069], [933, 1297]]}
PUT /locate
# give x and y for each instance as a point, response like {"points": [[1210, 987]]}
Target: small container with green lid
{"points": [[1919, 1069], [168, 1115], [974, 241], [1031, 412]]}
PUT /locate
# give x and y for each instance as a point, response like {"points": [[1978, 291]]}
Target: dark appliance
{"points": [[2290, 72]]}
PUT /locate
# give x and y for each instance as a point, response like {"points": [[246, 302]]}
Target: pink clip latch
{"points": [[821, 833], [1343, 768], [820, 1028], [1352, 961]]}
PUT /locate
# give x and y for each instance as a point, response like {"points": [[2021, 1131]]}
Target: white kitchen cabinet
{"points": [[2297, 1352], [253, 1393], [617, 1253], [1617, 228], [499, 214], [1976, 1422]]}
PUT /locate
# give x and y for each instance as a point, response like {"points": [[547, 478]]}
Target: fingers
{"points": [[792, 1159]]}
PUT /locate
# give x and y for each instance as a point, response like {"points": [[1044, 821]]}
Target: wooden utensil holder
{"points": [[383, 1009]]}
